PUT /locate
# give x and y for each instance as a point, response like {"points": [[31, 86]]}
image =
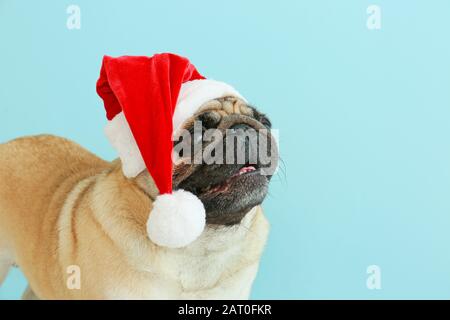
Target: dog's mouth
{"points": [[224, 186], [228, 192]]}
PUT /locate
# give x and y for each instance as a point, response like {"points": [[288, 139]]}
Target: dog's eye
{"points": [[261, 117], [195, 137], [209, 119], [265, 121]]}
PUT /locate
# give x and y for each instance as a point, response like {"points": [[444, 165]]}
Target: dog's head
{"points": [[226, 157]]}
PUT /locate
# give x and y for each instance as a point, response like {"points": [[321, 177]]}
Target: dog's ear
{"points": [[145, 181]]}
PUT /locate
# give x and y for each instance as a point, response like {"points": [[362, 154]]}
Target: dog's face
{"points": [[232, 181]]}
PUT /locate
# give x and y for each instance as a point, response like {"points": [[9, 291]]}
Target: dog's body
{"points": [[61, 206], [65, 213]]}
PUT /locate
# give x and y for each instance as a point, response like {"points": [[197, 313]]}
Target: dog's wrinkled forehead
{"points": [[213, 111], [227, 106]]}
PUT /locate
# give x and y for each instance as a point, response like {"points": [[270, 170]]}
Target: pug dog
{"points": [[75, 225]]}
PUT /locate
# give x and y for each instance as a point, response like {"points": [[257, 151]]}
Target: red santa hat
{"points": [[147, 100]]}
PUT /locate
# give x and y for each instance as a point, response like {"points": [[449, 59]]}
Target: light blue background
{"points": [[363, 118]]}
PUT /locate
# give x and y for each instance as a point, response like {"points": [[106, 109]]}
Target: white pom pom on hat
{"points": [[147, 99], [181, 214]]}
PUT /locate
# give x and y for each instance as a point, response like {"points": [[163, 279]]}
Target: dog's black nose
{"points": [[245, 144], [242, 126]]}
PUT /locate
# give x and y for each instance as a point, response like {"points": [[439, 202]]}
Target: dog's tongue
{"points": [[246, 169]]}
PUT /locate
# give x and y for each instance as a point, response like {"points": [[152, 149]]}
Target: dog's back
{"points": [[32, 170]]}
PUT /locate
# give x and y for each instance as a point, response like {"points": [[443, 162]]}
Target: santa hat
{"points": [[147, 100]]}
